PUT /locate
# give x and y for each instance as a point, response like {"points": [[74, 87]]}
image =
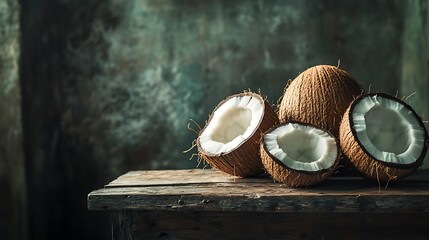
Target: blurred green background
{"points": [[92, 89]]}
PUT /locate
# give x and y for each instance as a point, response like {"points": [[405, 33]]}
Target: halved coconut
{"points": [[383, 137], [299, 154], [320, 95], [230, 139]]}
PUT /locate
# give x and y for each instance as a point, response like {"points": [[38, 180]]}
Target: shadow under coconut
{"points": [[348, 184], [416, 181]]}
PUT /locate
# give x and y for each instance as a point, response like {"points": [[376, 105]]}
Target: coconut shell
{"points": [[245, 160], [291, 177], [320, 95], [363, 162]]}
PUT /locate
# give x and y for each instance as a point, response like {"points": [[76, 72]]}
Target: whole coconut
{"points": [[320, 96]]}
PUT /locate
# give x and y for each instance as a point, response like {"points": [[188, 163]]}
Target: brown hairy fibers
{"points": [[244, 160], [320, 95]]}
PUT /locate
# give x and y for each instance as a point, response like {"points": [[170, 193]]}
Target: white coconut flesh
{"points": [[302, 147], [232, 123], [388, 130]]}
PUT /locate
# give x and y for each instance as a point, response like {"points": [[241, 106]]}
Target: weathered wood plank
{"points": [[260, 195], [177, 177], [247, 225], [330, 187], [255, 203], [195, 176]]}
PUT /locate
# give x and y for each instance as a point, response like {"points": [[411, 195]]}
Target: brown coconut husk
{"points": [[363, 162], [320, 95], [245, 160], [291, 177]]}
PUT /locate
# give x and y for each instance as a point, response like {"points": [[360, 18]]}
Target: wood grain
{"points": [[256, 195], [177, 177], [195, 176], [208, 204], [249, 225]]}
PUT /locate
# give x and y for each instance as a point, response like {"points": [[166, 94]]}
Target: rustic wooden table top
{"points": [[210, 190]]}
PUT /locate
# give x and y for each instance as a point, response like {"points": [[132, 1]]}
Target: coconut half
{"points": [[320, 95], [299, 154], [230, 139], [383, 137]]}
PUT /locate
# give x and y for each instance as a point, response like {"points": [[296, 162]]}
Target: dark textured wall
{"points": [[127, 76], [415, 58], [109, 86], [12, 170]]}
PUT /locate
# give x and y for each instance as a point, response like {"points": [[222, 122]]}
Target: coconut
{"points": [[383, 137], [299, 154], [320, 95], [230, 139]]}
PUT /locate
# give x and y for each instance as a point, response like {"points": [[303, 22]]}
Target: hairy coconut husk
{"points": [[291, 177], [363, 162], [245, 160], [320, 95]]}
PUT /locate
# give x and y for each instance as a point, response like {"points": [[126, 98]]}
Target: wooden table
{"points": [[207, 204]]}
